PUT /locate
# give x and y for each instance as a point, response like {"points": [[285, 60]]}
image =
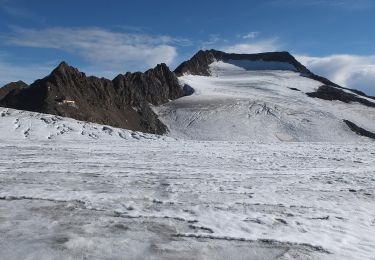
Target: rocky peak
{"points": [[155, 86], [64, 67], [199, 63], [12, 87], [162, 67], [64, 70], [19, 83], [160, 70]]}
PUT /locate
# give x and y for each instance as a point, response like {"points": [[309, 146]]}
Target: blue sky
{"points": [[332, 37]]}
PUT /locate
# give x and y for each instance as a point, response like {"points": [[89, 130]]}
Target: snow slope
{"points": [[73, 190], [18, 125], [255, 101]]}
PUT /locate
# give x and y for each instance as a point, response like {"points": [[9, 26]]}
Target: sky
{"points": [[333, 38]]}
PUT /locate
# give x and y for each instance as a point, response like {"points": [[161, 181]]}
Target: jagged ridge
{"points": [[122, 102]]}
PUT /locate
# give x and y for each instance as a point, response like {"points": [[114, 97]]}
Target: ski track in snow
{"points": [[75, 196]]}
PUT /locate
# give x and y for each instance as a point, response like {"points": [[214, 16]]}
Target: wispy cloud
{"points": [[99, 46], [109, 52], [347, 70], [244, 43], [250, 35], [213, 39], [12, 9], [266, 45]]}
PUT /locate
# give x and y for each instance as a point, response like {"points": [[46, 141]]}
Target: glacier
{"points": [[252, 168], [267, 106], [89, 192]]}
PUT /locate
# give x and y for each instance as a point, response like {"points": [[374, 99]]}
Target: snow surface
{"points": [[234, 185], [239, 104], [18, 125], [71, 190]]}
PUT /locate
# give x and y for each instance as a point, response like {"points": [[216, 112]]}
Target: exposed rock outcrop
{"points": [[122, 102], [359, 130], [188, 90], [12, 87], [332, 93]]}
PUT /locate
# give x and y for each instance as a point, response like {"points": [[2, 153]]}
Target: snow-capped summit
{"points": [[199, 63], [264, 97], [213, 96]]}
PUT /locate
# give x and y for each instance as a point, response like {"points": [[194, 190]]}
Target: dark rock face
{"points": [[156, 86], [123, 102], [12, 87], [199, 63], [188, 90], [359, 130], [330, 83], [332, 93]]}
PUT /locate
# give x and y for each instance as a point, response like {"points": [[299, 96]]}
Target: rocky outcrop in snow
{"points": [[331, 93], [359, 130]]}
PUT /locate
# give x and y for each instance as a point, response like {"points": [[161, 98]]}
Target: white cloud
{"points": [[212, 40], [111, 52], [253, 47], [250, 35], [347, 70], [107, 49]]}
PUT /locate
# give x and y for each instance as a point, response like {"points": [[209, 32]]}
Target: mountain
{"points": [[269, 164], [122, 102], [200, 62], [264, 97], [10, 87]]}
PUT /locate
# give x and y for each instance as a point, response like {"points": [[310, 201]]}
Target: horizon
{"points": [[116, 37], [260, 146]]}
